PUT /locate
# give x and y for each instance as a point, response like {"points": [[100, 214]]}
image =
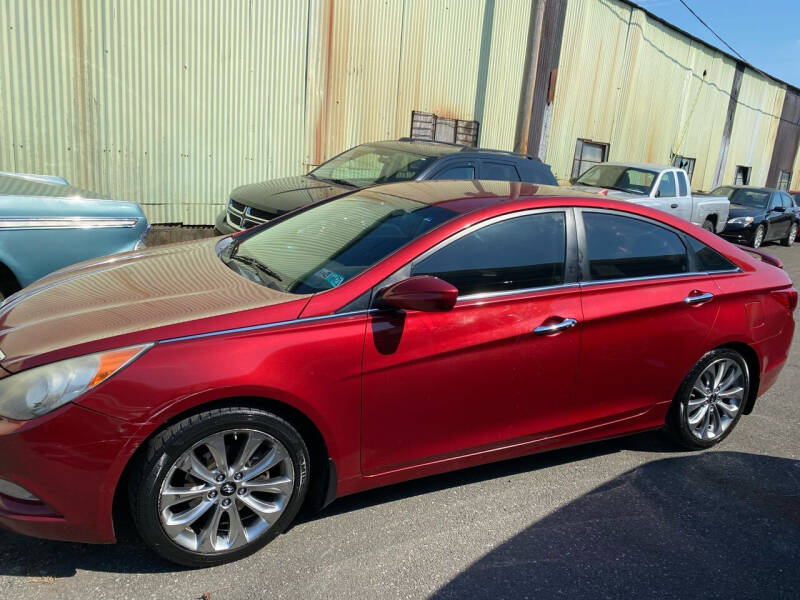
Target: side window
{"points": [[457, 172], [621, 247], [709, 259], [666, 188], [682, 185], [774, 201], [499, 171], [514, 254], [787, 201]]}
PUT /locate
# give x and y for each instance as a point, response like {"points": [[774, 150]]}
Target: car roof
{"points": [[755, 188], [468, 195], [436, 148]]}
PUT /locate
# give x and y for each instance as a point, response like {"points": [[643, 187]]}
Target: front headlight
{"points": [[38, 391], [740, 221]]}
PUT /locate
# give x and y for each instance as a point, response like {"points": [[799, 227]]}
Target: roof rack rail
{"points": [[506, 152]]}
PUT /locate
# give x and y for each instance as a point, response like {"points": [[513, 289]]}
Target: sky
{"points": [[765, 32]]}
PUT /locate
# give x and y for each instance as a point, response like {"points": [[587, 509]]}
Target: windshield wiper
{"points": [[340, 181], [257, 264]]}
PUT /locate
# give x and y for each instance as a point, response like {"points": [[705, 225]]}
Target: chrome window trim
{"points": [[488, 295], [594, 282], [265, 326], [67, 222]]}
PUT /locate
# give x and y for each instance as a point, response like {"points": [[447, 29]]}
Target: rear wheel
{"points": [[758, 237], [710, 400], [708, 225], [219, 485], [790, 237]]}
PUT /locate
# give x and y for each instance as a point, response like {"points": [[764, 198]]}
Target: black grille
{"points": [[237, 206], [261, 214]]}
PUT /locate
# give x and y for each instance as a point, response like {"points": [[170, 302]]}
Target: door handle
{"points": [[555, 327], [674, 205], [698, 297]]}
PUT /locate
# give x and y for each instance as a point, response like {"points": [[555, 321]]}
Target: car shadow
{"points": [[28, 557], [713, 525]]}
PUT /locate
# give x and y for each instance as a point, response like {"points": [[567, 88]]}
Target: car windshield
{"points": [[328, 244], [722, 191], [616, 177], [371, 164], [751, 198]]}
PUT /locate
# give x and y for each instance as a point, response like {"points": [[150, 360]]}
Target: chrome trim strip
{"points": [[484, 295], [264, 326], [647, 278], [67, 222]]}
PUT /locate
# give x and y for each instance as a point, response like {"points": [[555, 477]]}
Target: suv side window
{"points": [[774, 201], [498, 171], [787, 201], [519, 253], [457, 172], [666, 187], [623, 247], [683, 187]]}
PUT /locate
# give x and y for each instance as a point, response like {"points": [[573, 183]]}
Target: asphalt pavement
{"points": [[631, 517]]}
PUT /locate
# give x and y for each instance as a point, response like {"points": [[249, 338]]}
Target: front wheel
{"points": [[710, 400], [758, 237], [789, 239], [219, 485]]}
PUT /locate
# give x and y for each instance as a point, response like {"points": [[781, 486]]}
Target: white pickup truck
{"points": [[656, 186]]}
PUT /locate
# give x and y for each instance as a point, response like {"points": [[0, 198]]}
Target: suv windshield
{"points": [[617, 177], [324, 246], [371, 164]]}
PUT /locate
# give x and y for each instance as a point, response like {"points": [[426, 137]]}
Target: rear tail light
{"points": [[787, 298]]}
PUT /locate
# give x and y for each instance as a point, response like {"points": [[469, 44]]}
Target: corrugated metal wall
{"points": [[168, 103], [652, 92], [172, 103]]}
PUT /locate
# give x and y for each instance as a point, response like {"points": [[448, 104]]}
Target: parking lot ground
{"points": [[631, 517]]}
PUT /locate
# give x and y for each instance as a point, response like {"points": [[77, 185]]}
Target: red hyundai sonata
{"points": [[213, 387]]}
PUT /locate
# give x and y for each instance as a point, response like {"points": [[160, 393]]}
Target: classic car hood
{"points": [[27, 186], [133, 298], [611, 193], [277, 196], [737, 210]]}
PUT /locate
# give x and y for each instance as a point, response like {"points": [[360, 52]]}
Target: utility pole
{"points": [[525, 108]]}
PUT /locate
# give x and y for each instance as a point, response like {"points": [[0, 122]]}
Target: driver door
{"points": [[437, 385]]}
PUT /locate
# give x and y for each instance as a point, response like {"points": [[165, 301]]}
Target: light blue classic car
{"points": [[46, 224]]}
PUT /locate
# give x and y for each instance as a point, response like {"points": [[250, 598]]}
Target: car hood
{"points": [[737, 210], [611, 193], [137, 297], [278, 196]]}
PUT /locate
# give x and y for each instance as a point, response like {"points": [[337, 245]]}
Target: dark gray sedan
{"points": [[372, 164]]}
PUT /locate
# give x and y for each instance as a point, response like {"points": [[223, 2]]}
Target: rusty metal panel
{"points": [[167, 103], [755, 127], [787, 138], [590, 76]]}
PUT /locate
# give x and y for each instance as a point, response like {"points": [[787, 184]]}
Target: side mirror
{"points": [[779, 208], [424, 292]]}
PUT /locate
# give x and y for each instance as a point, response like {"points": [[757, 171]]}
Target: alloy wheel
{"points": [[758, 237], [716, 399], [792, 235], [226, 491]]}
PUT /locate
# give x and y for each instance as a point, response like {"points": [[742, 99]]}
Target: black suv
{"points": [[759, 215], [373, 164]]}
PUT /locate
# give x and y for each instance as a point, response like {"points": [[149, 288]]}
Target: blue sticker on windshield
{"points": [[334, 279]]}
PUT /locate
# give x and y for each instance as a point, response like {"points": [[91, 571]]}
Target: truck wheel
{"points": [[789, 239], [708, 225], [758, 237]]}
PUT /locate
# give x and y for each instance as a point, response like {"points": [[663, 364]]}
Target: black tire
{"points": [[790, 236], [162, 452], [708, 225], [755, 242], [677, 418]]}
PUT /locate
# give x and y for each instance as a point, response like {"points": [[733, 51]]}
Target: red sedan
{"points": [[213, 387]]}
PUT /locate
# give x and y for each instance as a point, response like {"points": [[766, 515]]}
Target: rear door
{"points": [[779, 217], [668, 193], [647, 312]]}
